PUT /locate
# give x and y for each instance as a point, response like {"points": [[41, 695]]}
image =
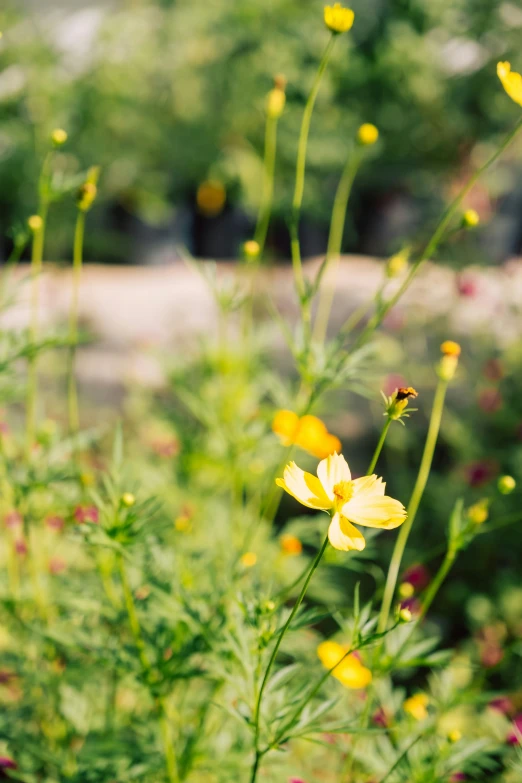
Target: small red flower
{"points": [[20, 547], [490, 400], [55, 523], [481, 472], [13, 519], [513, 737], [418, 576]]}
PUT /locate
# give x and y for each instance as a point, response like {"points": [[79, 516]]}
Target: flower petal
{"points": [[304, 487], [368, 485], [332, 471], [345, 536], [330, 653], [352, 674], [375, 511]]}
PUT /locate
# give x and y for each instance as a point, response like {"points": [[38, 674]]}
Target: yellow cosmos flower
{"points": [[416, 706], [511, 82], [337, 18], [350, 672], [361, 501], [307, 432]]}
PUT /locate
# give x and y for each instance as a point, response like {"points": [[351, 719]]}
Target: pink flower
{"points": [[83, 514], [296, 780], [457, 777], [165, 447], [491, 655], [417, 575], [20, 547], [55, 523], [466, 285], [13, 519], [513, 737], [412, 604], [490, 400], [6, 763], [502, 704]]}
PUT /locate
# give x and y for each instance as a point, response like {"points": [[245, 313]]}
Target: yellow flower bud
{"points": [[290, 544], [251, 250], [405, 616], [455, 735], [470, 218], [506, 485], [450, 360], [128, 499], [478, 512], [275, 103], [397, 263], [367, 134], [87, 479], [59, 137], [249, 559], [211, 197], [338, 19], [86, 195], [35, 223], [406, 590], [399, 401], [183, 524]]}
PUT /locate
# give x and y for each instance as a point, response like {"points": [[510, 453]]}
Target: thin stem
{"points": [[72, 391], [413, 506], [32, 372], [400, 758], [378, 448], [437, 235], [335, 239], [435, 585], [265, 208], [257, 712], [300, 180]]}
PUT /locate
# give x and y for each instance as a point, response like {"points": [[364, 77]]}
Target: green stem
{"points": [[299, 183], [437, 236], [418, 491], [257, 712], [72, 391], [335, 239], [400, 758], [435, 585], [378, 448], [32, 371], [265, 208]]}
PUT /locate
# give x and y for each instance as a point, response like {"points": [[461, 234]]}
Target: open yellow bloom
{"points": [[337, 18], [307, 432], [416, 706], [361, 501], [511, 82], [350, 672]]}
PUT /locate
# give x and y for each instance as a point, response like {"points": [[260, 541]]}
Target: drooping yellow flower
{"points": [[350, 672], [337, 18], [361, 501], [416, 706], [511, 82], [307, 432]]}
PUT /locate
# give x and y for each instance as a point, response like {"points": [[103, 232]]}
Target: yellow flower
{"points": [[290, 544], [450, 358], [350, 672], [450, 348], [251, 250], [128, 499], [455, 735], [361, 500], [506, 485], [511, 82], [249, 559], [337, 18], [183, 524], [416, 706], [367, 134], [398, 263], [479, 512], [308, 432]]}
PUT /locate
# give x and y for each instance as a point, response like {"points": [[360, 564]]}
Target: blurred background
{"points": [[168, 94]]}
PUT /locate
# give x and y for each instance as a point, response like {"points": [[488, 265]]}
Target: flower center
{"points": [[343, 491]]}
